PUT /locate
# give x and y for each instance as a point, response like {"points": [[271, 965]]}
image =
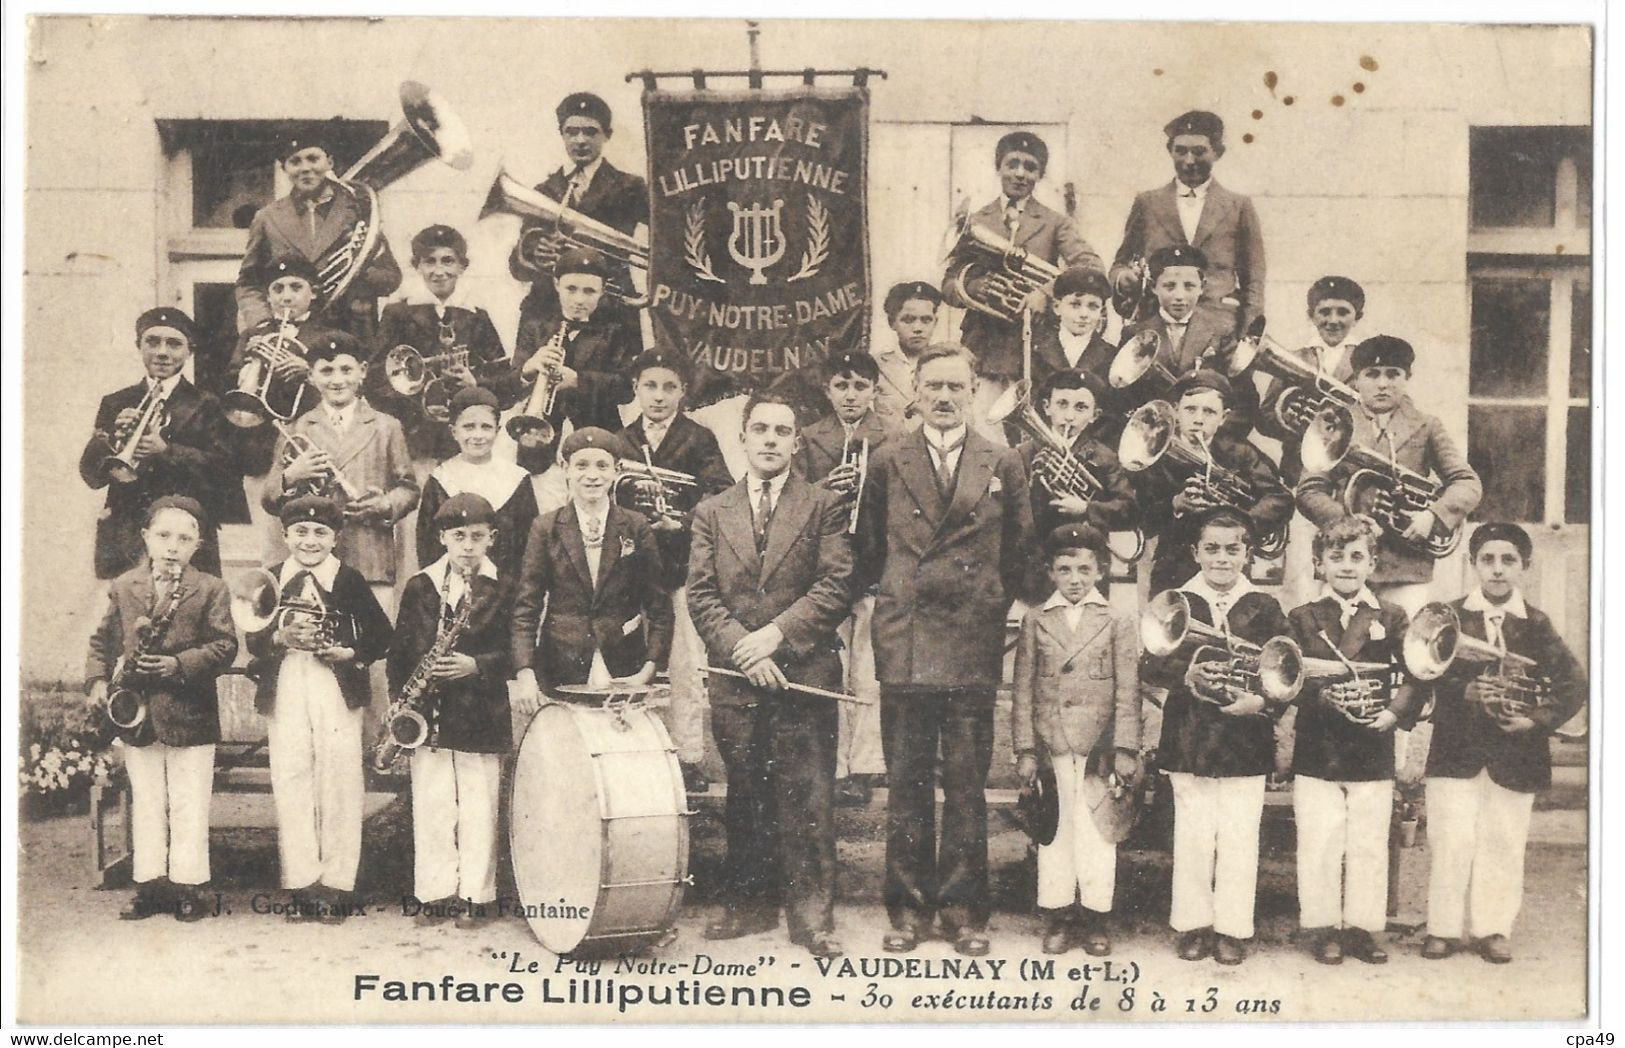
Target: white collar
{"points": [[650, 424], [166, 387], [1365, 596], [1171, 322], [1069, 340], [943, 440], [325, 572], [1200, 191], [583, 514], [495, 480], [438, 571], [588, 173], [1005, 203], [348, 411], [1058, 601], [775, 484], [420, 295], [1514, 606], [1198, 585]]}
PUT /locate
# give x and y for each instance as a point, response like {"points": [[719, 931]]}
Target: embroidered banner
{"points": [[759, 261]]}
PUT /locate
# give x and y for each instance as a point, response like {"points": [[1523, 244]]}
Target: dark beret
{"points": [[594, 437], [660, 357], [1175, 255], [1382, 351], [581, 260], [473, 396], [1196, 122], [462, 510], [300, 140], [1040, 807], [583, 103], [1072, 378], [292, 266], [907, 290], [316, 509], [180, 502], [166, 316], [1203, 378], [330, 344], [853, 362], [1074, 536], [1341, 288], [1497, 531], [439, 235], [1022, 142], [1082, 280]]}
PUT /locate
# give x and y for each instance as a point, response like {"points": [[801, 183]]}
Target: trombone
{"points": [[152, 415], [1274, 669]]}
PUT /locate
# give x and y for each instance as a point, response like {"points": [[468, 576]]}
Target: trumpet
{"points": [[1379, 487], [1008, 273], [1309, 390], [295, 445], [1060, 472], [510, 196], [859, 459], [413, 717], [532, 427], [654, 490], [1274, 669], [257, 601], [1434, 642], [1152, 434], [414, 374], [271, 382], [152, 415], [126, 705]]}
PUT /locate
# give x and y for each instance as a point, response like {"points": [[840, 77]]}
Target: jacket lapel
{"points": [[1214, 210], [1033, 221], [1072, 641], [1164, 207], [182, 405], [975, 469], [789, 517], [331, 227], [739, 526], [293, 227], [363, 429], [1358, 632], [1405, 424], [609, 553], [914, 465], [574, 548]]}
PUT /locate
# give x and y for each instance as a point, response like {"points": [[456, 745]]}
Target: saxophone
{"points": [[407, 725], [126, 705]]}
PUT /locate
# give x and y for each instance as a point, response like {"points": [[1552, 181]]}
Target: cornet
{"points": [[272, 381], [533, 426], [124, 464], [1378, 487], [510, 196], [1309, 390], [1435, 641], [653, 490], [858, 458], [257, 602], [1274, 669], [295, 445], [414, 374]]}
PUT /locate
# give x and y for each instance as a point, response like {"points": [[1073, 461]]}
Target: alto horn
{"points": [[509, 196], [1274, 669], [1010, 272]]}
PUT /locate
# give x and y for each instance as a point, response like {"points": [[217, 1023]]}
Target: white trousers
{"points": [[1477, 832], [315, 743], [859, 751], [1342, 852], [170, 788], [1216, 852], [1080, 863], [454, 824], [685, 716]]}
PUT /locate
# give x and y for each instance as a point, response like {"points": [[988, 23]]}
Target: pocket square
{"points": [[628, 547], [631, 625], [1377, 632], [995, 485]]}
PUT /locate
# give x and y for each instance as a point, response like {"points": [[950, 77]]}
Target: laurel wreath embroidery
{"points": [[817, 241], [694, 252]]}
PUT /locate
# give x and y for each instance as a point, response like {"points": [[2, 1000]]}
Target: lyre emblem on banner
{"points": [[757, 241]]}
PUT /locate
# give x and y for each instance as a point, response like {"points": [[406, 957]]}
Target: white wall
{"points": [[1375, 189]]}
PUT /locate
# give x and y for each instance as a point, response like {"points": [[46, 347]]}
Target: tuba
{"points": [[265, 389], [257, 602], [1274, 669], [429, 130], [1379, 487], [1054, 466], [1011, 273], [1309, 391], [510, 196], [653, 490], [124, 463], [1152, 434]]}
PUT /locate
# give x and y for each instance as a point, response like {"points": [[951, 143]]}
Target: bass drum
{"points": [[599, 829]]}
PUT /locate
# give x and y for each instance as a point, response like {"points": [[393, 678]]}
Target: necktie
{"points": [[572, 189], [764, 510], [1012, 219], [594, 533], [1492, 625], [945, 472], [1349, 608]]}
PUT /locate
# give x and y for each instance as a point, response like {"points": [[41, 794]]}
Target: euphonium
{"points": [[1379, 487], [1274, 669], [124, 464], [1136, 362], [428, 130], [533, 427], [1152, 434], [653, 490], [510, 196], [1010, 272], [413, 716], [126, 705], [257, 602], [272, 381], [1434, 641], [1309, 390]]}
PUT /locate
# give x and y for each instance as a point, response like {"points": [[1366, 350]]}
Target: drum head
{"points": [[555, 829]]}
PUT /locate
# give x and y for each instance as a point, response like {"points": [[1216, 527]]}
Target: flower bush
{"points": [[64, 751]]}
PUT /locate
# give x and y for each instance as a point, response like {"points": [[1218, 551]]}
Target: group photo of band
{"points": [[1085, 516]]}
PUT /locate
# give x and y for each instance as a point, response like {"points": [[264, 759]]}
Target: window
{"points": [[1529, 287]]}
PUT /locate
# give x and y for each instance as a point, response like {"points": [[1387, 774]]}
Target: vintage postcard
{"points": [[674, 521]]}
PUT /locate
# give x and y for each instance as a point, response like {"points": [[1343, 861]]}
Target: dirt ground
{"points": [[78, 964]]}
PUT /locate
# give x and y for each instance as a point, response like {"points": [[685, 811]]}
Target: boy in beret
{"points": [[662, 434], [312, 672], [504, 485], [1336, 305], [1077, 709], [438, 321], [1195, 211], [592, 186], [169, 755], [1201, 403], [457, 772], [911, 313], [184, 455], [1020, 159], [596, 569], [1076, 339], [1490, 754], [315, 216], [590, 354]]}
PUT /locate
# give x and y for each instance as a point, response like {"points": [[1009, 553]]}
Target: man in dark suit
{"points": [[315, 214], [768, 584], [185, 455], [1195, 211], [944, 529], [590, 185]]}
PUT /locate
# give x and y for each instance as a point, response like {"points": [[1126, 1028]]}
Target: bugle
{"points": [[1274, 669], [557, 223], [124, 463]]}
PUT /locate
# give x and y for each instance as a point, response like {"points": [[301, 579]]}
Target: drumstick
{"points": [[838, 696]]}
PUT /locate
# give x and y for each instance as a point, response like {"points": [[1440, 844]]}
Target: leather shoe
{"points": [[734, 925], [1495, 949], [971, 942], [1436, 949], [900, 940], [189, 907], [1228, 950], [1096, 941], [825, 944], [1328, 949], [1362, 946], [1057, 936], [150, 899], [1193, 945]]}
